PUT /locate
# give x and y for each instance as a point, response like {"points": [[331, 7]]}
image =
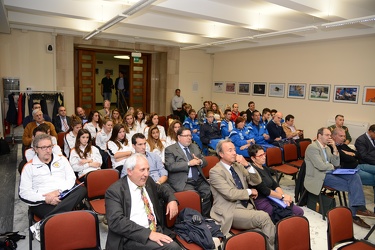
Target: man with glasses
{"points": [[275, 130], [44, 178], [184, 163], [320, 161]]}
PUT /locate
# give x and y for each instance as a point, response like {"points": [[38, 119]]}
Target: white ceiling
{"points": [[187, 23]]}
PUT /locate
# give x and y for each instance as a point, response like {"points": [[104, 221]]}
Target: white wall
{"points": [[338, 62]]}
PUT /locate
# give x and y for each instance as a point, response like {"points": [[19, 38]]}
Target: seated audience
{"points": [[226, 125], [268, 186], [28, 131], [258, 131], [94, 123], [240, 137], [235, 112], [70, 137], [134, 213], [116, 117], [233, 198], [81, 114], [42, 181], [249, 111], [102, 137], [210, 133], [201, 115], [192, 123], [153, 119], [84, 157], [140, 120], [290, 130], [218, 114], [275, 129], [339, 123], [365, 145], [30, 118], [130, 126], [172, 132], [319, 161], [154, 144], [185, 110], [106, 111], [61, 121], [118, 148], [266, 116]]}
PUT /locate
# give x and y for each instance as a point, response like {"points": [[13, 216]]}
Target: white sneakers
{"points": [[35, 229]]}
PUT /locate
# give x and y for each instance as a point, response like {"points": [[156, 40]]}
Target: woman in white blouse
{"points": [[154, 144], [118, 147], [153, 119], [94, 123], [102, 137], [140, 120], [130, 126], [84, 157], [70, 137], [172, 132]]}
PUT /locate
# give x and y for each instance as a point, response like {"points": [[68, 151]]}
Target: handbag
{"points": [[328, 201]]}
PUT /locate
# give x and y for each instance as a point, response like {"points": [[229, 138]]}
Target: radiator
{"points": [[355, 128]]}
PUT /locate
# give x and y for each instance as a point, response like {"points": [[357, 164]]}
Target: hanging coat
{"points": [[20, 114], [12, 111]]}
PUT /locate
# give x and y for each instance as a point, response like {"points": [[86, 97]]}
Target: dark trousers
{"points": [[203, 188], [66, 205]]}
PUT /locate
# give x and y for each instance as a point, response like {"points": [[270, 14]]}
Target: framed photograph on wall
{"points": [[219, 87], [369, 96], [319, 92], [230, 87], [243, 88], [296, 90], [259, 88], [346, 94], [276, 89]]}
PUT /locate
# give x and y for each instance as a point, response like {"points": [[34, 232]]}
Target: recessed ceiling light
{"points": [[122, 57]]}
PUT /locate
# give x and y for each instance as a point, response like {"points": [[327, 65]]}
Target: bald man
{"points": [[275, 130]]}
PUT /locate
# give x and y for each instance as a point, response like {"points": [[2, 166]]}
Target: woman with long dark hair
{"points": [[118, 147], [94, 123]]}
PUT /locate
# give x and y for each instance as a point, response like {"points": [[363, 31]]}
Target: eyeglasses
{"points": [[187, 136], [261, 155], [44, 148]]}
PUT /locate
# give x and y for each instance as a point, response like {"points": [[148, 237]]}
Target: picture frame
{"points": [[218, 86], [297, 90], [346, 94], [276, 90], [319, 92], [259, 88], [368, 95], [230, 87], [244, 88]]}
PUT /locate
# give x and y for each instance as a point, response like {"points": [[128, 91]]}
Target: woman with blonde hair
{"points": [[172, 132], [116, 116], [130, 126], [218, 114], [154, 144]]}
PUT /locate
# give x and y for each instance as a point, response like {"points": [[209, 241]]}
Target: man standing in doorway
{"points": [[122, 92], [107, 86]]}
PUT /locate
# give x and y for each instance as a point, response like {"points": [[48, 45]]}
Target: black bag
{"points": [[279, 213], [329, 202], [4, 147]]}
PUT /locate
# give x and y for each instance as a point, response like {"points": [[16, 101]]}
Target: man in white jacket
{"points": [[44, 178]]}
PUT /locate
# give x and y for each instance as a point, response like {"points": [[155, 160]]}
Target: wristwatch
{"points": [[282, 196]]}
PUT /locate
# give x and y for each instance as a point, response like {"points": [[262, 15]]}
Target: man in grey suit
{"points": [[233, 199], [184, 163], [134, 213], [319, 159]]}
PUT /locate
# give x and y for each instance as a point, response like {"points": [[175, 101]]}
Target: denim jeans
{"points": [[107, 96], [367, 174], [350, 183]]}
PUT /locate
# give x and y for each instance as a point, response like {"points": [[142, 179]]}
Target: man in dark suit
{"points": [[365, 145], [133, 212], [184, 163], [61, 121]]}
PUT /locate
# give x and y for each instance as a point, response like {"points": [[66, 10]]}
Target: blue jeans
{"points": [[107, 96], [197, 140], [213, 143], [350, 183], [367, 174]]}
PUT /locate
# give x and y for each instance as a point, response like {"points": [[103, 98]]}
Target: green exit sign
{"points": [[135, 59]]}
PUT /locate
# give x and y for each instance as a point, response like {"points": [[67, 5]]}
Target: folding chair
{"points": [[340, 230], [291, 156], [97, 182], [293, 233], [70, 230], [247, 240], [275, 162], [303, 146], [211, 162]]}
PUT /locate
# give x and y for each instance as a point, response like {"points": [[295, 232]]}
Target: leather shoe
{"points": [[358, 221], [366, 213]]}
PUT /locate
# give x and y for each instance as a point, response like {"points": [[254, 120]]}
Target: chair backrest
{"points": [[273, 157], [70, 230], [248, 240], [340, 226], [303, 146], [290, 152], [98, 181], [190, 199], [162, 121], [60, 140], [293, 233], [212, 160]]}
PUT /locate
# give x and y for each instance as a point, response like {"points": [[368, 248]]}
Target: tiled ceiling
{"points": [[210, 25]]}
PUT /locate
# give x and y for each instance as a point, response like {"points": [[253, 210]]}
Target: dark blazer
{"points": [[365, 150], [118, 207], [57, 123], [275, 131], [176, 164]]}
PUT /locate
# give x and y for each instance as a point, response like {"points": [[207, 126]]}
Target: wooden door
{"points": [[139, 78], [85, 89]]}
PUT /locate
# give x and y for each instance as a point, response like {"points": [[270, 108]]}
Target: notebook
{"points": [[344, 171], [66, 192], [277, 201]]}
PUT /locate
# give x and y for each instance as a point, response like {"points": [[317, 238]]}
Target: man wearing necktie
{"points": [[184, 163], [133, 210], [233, 199], [61, 121]]}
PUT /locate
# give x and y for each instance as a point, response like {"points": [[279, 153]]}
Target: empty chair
{"points": [[211, 162], [340, 230], [303, 146], [291, 156], [293, 233], [70, 230], [97, 183], [247, 240], [275, 162]]}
